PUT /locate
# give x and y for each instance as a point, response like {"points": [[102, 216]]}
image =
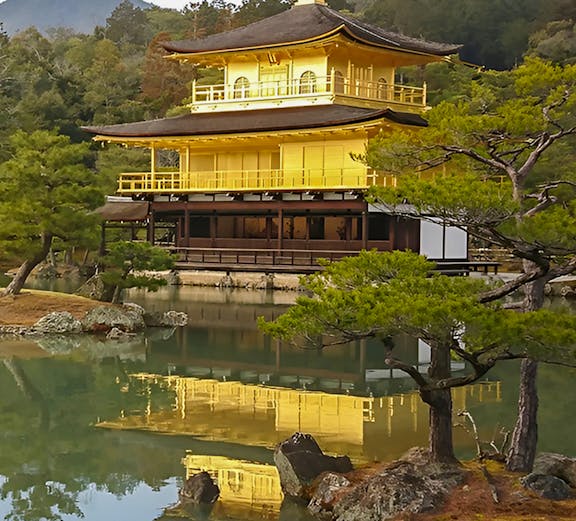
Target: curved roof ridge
{"points": [[362, 25], [304, 23]]}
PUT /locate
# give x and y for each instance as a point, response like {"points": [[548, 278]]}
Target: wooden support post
{"points": [[365, 230], [186, 226], [280, 228]]}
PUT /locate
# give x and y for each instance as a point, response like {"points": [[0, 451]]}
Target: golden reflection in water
{"points": [[244, 486], [364, 428]]}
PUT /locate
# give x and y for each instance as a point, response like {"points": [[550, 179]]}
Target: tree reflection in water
{"points": [[54, 463]]}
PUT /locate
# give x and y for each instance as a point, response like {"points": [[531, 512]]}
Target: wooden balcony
{"points": [[293, 92], [250, 181]]}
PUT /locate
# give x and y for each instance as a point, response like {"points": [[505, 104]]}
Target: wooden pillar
{"points": [[280, 228], [365, 229], [186, 226]]}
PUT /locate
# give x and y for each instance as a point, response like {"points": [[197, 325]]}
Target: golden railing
{"points": [[252, 180], [330, 85]]}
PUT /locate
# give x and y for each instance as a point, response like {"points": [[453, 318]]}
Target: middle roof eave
{"points": [[264, 120]]}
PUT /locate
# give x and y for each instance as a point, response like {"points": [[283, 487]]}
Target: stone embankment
{"points": [[114, 321], [222, 279]]}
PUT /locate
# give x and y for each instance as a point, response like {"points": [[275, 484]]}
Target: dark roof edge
{"points": [[402, 118]]}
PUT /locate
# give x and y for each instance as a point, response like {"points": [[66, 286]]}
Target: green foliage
{"points": [[498, 161], [384, 294], [127, 25], [253, 10], [45, 188], [113, 160], [126, 261], [484, 28], [555, 42]]}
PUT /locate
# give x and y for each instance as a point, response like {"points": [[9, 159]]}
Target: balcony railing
{"points": [[251, 181], [298, 88]]}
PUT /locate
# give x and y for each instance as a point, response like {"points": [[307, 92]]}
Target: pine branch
{"points": [[512, 285], [409, 370]]}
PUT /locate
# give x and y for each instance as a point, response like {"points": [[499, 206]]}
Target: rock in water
{"points": [[104, 318], [199, 489], [58, 322], [300, 460]]}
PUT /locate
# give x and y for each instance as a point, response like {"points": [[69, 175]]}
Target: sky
{"points": [[176, 4]]}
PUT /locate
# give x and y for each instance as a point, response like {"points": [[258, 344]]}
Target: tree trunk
{"points": [[520, 457], [440, 401], [28, 265], [116, 295], [440, 438]]}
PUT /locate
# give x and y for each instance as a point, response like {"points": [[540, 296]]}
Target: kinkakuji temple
{"points": [[265, 171]]}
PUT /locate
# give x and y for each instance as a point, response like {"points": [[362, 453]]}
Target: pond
{"points": [[100, 430]]}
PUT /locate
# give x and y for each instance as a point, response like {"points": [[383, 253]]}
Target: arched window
{"points": [[307, 82], [382, 89], [338, 82], [241, 88]]}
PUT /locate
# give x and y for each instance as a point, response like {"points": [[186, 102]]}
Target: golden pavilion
{"points": [[265, 172]]}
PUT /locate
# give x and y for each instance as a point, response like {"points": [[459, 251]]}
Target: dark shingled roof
{"points": [[124, 210], [263, 120], [304, 22]]}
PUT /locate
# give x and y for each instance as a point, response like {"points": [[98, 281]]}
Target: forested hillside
{"points": [[493, 33], [116, 73]]}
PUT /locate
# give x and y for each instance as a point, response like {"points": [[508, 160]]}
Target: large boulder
{"points": [[103, 318], [300, 460], [409, 486], [165, 319], [557, 465], [58, 322], [547, 486], [199, 489]]}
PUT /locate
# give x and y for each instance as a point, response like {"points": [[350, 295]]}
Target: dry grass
{"points": [[473, 501], [29, 306]]}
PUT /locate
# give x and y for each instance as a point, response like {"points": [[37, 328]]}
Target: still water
{"points": [[107, 431]]}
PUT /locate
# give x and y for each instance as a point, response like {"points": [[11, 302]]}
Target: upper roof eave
{"points": [[302, 23], [325, 36]]}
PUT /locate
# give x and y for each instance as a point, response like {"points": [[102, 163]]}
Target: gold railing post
{"points": [[152, 168]]}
